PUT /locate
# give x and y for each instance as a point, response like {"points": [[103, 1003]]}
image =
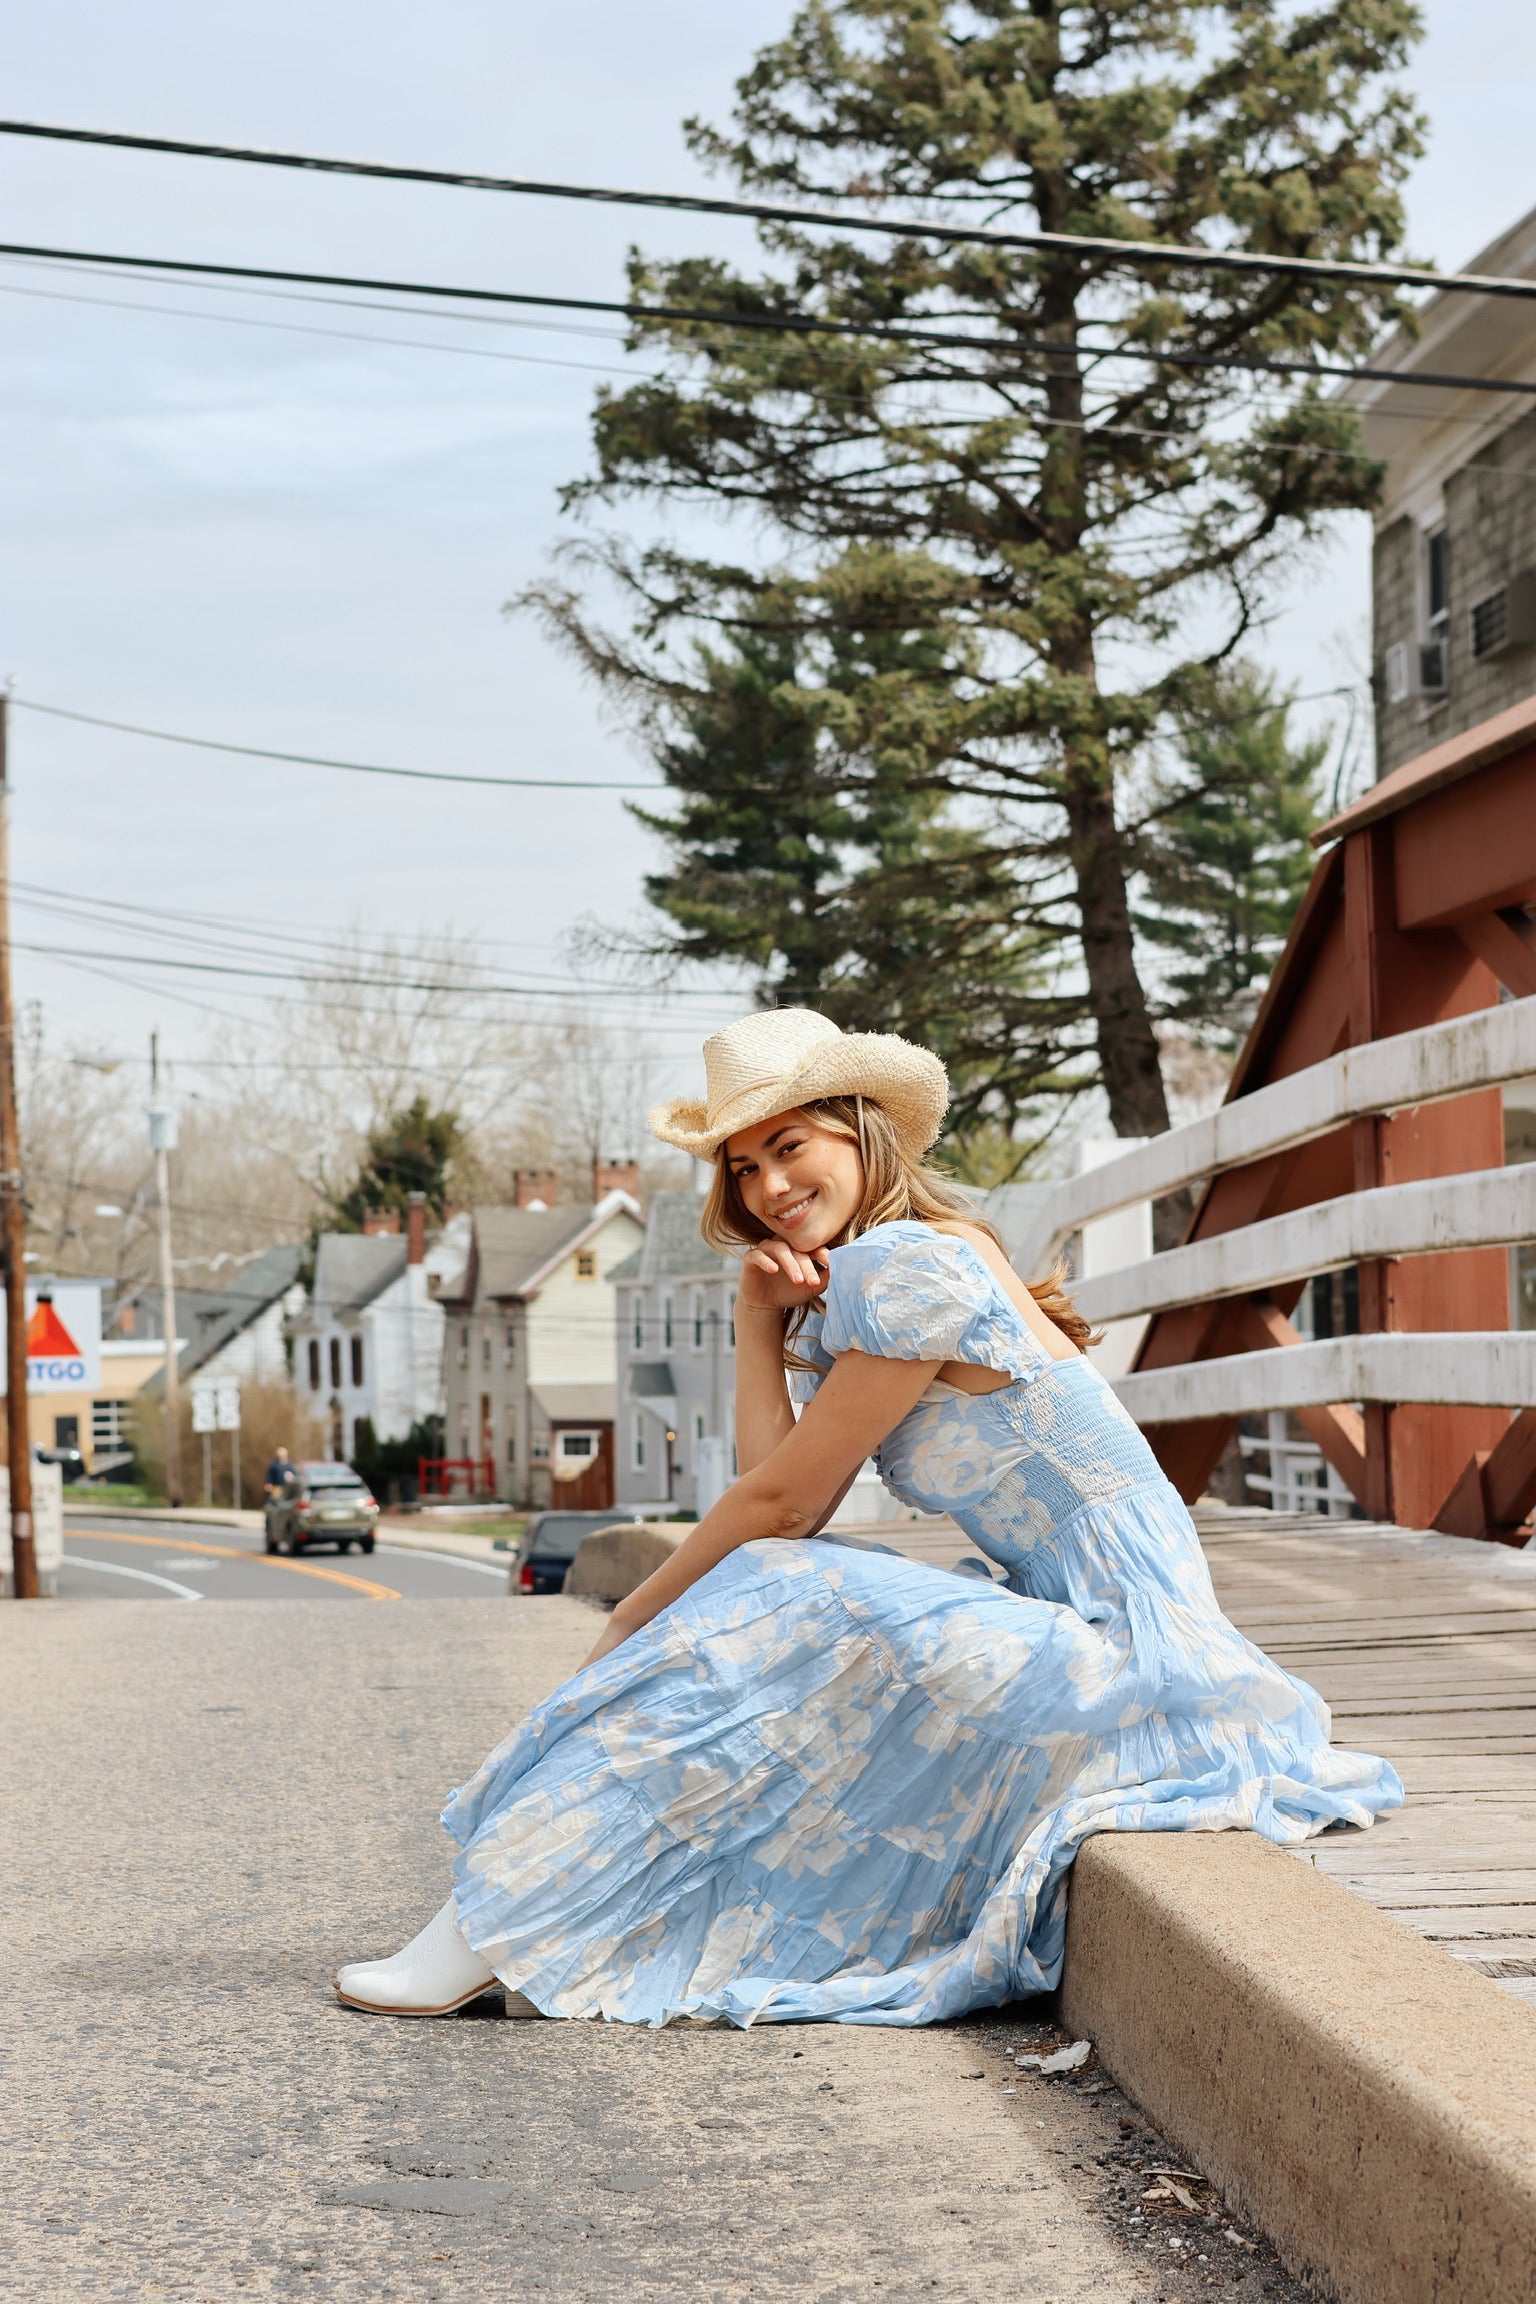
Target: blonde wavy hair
{"points": [[897, 1188]]}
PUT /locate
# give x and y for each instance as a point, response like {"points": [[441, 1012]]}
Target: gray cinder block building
{"points": [[1454, 559]]}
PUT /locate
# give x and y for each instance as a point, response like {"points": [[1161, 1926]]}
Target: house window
{"points": [[511, 1343], [637, 1332], [485, 1351], [637, 1441], [357, 1360], [698, 1319], [586, 1264], [335, 1363], [666, 1324], [698, 1427], [359, 1434], [314, 1363], [730, 1330]]}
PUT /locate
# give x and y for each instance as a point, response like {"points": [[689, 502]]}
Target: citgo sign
{"points": [[63, 1337]]}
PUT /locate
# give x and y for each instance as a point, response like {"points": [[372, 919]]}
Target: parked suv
{"points": [[550, 1543], [321, 1504]]}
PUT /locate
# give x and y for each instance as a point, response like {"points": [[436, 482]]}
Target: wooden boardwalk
{"points": [[1425, 1648]]}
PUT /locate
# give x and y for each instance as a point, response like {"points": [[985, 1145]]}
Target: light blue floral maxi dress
{"points": [[831, 1783]]}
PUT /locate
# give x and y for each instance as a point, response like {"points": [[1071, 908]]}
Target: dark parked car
{"points": [[550, 1543], [321, 1504], [70, 1461]]}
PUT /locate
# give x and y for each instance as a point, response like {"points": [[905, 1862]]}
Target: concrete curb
{"points": [[1369, 2101]]}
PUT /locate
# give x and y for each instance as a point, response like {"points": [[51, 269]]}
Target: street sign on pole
{"points": [[227, 1397], [205, 1408]]}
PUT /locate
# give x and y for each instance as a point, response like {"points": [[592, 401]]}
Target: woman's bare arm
{"points": [[775, 1278], [792, 1492]]}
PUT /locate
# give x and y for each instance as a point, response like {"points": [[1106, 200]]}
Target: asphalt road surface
{"points": [[206, 1809], [123, 1559]]}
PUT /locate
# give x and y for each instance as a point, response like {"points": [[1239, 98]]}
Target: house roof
{"points": [[351, 1268], [1420, 424], [652, 1380], [513, 1249], [212, 1317], [672, 1248], [1459, 756], [576, 1403]]}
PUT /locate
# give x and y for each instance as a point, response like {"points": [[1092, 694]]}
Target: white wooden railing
{"points": [[1487, 1208]]}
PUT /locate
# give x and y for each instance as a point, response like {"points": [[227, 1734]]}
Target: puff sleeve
{"points": [[905, 1292]]}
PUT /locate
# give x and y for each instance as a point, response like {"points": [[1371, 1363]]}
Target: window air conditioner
{"points": [[1505, 618], [1394, 669]]}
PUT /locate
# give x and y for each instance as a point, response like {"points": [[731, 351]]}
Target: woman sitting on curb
{"points": [[799, 1780]]}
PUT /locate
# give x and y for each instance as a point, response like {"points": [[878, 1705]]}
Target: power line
{"points": [[798, 323], [351, 767], [794, 324], [319, 975], [781, 212]]}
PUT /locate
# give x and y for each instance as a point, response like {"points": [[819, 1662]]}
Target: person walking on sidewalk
{"points": [[797, 1779]]}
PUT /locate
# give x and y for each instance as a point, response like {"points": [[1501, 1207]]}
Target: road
{"points": [[131, 1559], [208, 1807]]}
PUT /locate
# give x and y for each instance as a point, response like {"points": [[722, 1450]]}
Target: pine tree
{"points": [[409, 1152], [1056, 522], [1226, 854]]}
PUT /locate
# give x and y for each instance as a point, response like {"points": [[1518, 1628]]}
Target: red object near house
{"points": [[455, 1476], [1419, 911]]}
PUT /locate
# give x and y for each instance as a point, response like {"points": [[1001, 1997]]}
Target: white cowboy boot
{"points": [[436, 1973]]}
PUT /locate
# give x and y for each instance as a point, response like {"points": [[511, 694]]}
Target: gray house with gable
{"points": [[676, 1360]]}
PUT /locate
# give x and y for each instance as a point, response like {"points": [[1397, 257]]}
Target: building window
{"points": [[698, 1319], [314, 1363], [637, 1441], [1434, 663], [698, 1427], [485, 1351], [637, 1332], [335, 1363], [730, 1330], [666, 1324], [511, 1447], [359, 1434], [586, 1264], [109, 1423], [357, 1361], [511, 1343]]}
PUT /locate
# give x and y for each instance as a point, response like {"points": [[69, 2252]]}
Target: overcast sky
{"points": [[298, 541]]}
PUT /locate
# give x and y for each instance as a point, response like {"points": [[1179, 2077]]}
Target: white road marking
{"points": [[139, 1575], [448, 1560], [187, 1567]]}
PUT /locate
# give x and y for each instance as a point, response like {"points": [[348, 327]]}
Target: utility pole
{"points": [[13, 1222], [162, 1142]]}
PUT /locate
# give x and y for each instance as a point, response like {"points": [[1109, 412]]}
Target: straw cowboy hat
{"points": [[784, 1057]]}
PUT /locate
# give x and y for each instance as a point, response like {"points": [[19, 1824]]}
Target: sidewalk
{"points": [[211, 1807]]}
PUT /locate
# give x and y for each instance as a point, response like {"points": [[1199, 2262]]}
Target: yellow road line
{"points": [[232, 1552]]}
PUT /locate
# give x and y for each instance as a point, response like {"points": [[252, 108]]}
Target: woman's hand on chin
{"points": [[778, 1278]]}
